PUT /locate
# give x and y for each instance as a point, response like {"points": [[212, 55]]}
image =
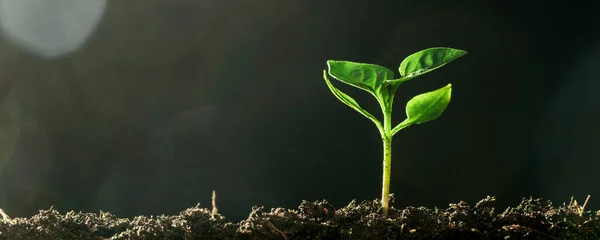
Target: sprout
{"points": [[380, 82]]}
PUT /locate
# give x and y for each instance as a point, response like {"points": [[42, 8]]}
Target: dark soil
{"points": [[531, 219]]}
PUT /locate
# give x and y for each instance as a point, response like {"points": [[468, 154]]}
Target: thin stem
{"points": [[387, 160], [400, 126], [387, 169]]}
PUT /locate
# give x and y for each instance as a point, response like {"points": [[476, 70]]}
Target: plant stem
{"points": [[387, 169], [387, 160]]}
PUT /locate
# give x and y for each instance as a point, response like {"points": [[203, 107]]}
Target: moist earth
{"points": [[531, 219]]}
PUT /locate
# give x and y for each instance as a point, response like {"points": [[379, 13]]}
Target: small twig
{"points": [[276, 229], [5, 217], [516, 226], [214, 204], [583, 207]]}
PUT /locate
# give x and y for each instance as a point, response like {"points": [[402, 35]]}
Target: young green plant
{"points": [[380, 82]]}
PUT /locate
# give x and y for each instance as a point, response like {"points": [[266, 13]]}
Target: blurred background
{"points": [[143, 107]]}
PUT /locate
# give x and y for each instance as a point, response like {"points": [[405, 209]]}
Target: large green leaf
{"points": [[427, 106], [426, 61], [344, 98], [369, 77]]}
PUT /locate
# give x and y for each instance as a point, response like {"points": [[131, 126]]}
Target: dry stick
{"points": [[515, 226], [581, 211], [276, 229], [583, 207], [5, 216], [214, 204]]}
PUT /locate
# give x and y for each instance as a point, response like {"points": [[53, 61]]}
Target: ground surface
{"points": [[531, 219]]}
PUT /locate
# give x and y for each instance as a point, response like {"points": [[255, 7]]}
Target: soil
{"points": [[531, 219]]}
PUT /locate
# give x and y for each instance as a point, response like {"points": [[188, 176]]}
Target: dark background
{"points": [[160, 102]]}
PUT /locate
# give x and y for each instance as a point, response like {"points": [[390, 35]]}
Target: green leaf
{"points": [[392, 88], [368, 77], [427, 106], [383, 95], [344, 98], [426, 61]]}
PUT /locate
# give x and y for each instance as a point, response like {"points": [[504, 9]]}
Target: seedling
{"points": [[380, 82]]}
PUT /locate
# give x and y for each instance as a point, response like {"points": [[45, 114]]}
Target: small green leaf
{"points": [[368, 77], [426, 61], [383, 95], [427, 106], [344, 98]]}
